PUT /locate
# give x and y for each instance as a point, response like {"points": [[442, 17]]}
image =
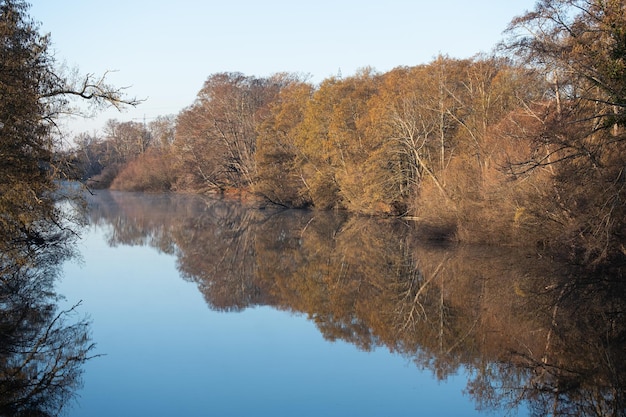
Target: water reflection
{"points": [[42, 348], [531, 332]]}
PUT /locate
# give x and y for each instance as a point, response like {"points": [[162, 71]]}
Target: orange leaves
{"points": [[365, 143]]}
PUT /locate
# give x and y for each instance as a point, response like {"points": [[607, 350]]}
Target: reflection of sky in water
{"points": [[168, 354]]}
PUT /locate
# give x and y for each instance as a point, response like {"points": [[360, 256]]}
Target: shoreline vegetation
{"points": [[524, 147]]}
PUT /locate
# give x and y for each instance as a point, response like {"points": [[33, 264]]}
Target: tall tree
{"points": [[279, 160], [330, 138], [25, 149], [33, 94], [216, 136], [125, 141], [581, 47], [412, 113], [40, 354], [351, 144]]}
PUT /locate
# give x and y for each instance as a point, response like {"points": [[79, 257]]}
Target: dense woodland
{"points": [[524, 146]]}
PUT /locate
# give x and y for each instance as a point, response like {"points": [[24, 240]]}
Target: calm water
{"points": [[204, 307]]}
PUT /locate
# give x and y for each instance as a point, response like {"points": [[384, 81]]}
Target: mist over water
{"points": [[205, 305]]}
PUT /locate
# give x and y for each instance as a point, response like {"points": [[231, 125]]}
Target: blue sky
{"points": [[165, 50]]}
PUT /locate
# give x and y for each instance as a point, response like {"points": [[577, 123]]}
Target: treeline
{"points": [[525, 147], [416, 141], [98, 159]]}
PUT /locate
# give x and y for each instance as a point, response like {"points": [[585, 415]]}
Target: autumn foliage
{"points": [[524, 148]]}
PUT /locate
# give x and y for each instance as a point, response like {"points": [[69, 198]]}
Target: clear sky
{"points": [[165, 50]]}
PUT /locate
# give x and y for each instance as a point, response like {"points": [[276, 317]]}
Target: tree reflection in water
{"points": [[531, 332], [42, 348]]}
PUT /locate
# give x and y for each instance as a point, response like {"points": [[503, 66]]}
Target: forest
{"points": [[524, 146]]}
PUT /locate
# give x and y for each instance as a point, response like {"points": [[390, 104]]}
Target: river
{"points": [[201, 306]]}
